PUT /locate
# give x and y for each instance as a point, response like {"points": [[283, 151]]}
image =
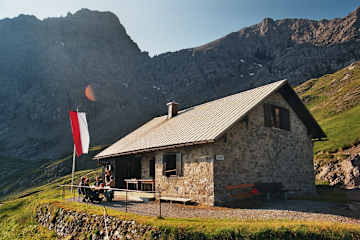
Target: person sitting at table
{"points": [[86, 189], [109, 182], [81, 189], [90, 194], [99, 185]]}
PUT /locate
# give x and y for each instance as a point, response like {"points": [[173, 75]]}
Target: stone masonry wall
{"points": [[255, 153], [75, 225], [197, 182]]}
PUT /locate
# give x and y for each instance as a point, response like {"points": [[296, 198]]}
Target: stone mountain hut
{"points": [[262, 135]]}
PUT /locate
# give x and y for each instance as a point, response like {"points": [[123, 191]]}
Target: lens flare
{"points": [[89, 93]]}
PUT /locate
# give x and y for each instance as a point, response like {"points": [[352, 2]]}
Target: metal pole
{"points": [[159, 204], [73, 169], [125, 201], [63, 192], [106, 229]]}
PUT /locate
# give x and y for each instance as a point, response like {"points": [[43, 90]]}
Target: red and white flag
{"points": [[80, 132]]}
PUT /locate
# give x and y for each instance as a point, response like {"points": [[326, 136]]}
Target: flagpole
{"points": [[73, 165], [73, 169]]}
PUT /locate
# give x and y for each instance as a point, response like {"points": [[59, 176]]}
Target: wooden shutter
{"points": [[179, 165], [267, 115], [284, 119]]}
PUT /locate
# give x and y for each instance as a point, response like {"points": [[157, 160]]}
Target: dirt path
{"points": [[291, 209]]}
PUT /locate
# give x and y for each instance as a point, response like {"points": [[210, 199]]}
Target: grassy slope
{"points": [[17, 174], [17, 214], [11, 170], [17, 220], [334, 100]]}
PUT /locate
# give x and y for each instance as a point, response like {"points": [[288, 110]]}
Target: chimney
{"points": [[172, 109]]}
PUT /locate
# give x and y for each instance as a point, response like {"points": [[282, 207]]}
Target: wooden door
{"points": [[127, 167]]}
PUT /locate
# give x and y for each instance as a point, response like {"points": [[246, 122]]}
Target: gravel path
{"points": [[291, 209]]}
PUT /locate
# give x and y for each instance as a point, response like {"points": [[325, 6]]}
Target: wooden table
{"points": [[140, 182], [147, 181]]}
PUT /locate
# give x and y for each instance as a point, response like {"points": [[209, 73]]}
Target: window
{"points": [[277, 117], [172, 164]]}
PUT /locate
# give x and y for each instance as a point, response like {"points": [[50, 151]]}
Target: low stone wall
{"points": [[75, 225]]}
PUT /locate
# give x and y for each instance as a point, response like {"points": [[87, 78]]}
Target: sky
{"points": [[159, 26]]}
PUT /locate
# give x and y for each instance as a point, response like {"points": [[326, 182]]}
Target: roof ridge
{"points": [[232, 95], [197, 124]]}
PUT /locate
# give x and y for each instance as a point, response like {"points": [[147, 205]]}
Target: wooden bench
{"points": [[250, 190], [246, 191], [271, 189], [175, 199]]}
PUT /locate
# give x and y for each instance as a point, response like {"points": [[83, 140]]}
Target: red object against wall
{"points": [[254, 191], [74, 121]]}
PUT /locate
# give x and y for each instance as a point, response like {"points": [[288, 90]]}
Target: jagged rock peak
{"points": [[27, 18], [90, 17], [97, 25], [355, 13], [266, 25], [106, 17], [268, 21]]}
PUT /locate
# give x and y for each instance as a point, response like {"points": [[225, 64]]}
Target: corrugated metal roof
{"points": [[198, 124]]}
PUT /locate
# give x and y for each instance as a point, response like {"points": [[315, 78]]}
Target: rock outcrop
{"points": [[345, 173], [46, 65]]}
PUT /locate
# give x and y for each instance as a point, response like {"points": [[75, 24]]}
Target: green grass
{"points": [[10, 171], [343, 130], [17, 220], [17, 214], [334, 101]]}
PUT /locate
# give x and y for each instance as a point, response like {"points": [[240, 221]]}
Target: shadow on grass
{"points": [[10, 207]]}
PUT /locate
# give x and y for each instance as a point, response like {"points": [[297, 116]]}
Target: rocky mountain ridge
{"points": [[46, 65]]}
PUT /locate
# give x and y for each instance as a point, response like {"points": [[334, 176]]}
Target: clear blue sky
{"points": [[159, 26]]}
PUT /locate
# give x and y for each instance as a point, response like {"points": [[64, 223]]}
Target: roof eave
{"points": [[154, 149], [288, 93]]}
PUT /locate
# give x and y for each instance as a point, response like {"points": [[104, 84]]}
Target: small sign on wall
{"points": [[219, 157]]}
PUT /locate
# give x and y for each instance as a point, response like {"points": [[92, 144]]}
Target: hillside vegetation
{"points": [[17, 212], [18, 174], [334, 102]]}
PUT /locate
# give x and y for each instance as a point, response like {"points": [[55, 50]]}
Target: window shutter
{"points": [[267, 115], [179, 165], [284, 119]]}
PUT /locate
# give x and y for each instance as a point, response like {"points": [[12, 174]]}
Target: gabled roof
{"points": [[205, 123]]}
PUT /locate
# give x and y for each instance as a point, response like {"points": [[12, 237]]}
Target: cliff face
{"points": [[295, 49], [46, 65], [44, 69]]}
